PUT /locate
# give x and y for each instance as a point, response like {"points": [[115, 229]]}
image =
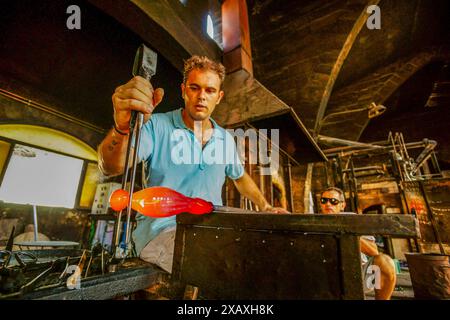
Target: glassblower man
{"points": [[201, 91]]}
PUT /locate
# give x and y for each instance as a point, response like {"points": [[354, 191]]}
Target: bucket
{"points": [[430, 275]]}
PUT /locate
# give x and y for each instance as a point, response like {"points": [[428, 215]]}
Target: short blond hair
{"points": [[203, 63]]}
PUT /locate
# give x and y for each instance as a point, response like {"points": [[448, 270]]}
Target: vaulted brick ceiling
{"points": [[296, 45], [298, 49], [316, 55]]}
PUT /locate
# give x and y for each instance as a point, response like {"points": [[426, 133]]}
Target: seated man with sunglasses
{"points": [[332, 201]]}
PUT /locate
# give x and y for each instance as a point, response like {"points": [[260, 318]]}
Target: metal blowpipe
{"points": [[144, 66]]}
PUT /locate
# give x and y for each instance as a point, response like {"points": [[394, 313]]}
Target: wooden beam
{"points": [[345, 50], [163, 25], [236, 36], [307, 190]]}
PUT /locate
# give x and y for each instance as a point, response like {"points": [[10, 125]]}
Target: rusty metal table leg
{"points": [[352, 281]]}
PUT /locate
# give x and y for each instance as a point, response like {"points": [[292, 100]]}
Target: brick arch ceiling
{"points": [[299, 50], [376, 87]]}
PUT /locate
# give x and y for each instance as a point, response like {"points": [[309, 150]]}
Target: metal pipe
{"points": [[403, 145], [337, 151], [432, 175], [355, 182], [271, 192], [307, 190], [424, 155], [435, 162], [140, 121], [35, 223], [262, 183], [365, 168], [145, 66], [350, 189], [326, 139], [128, 159], [291, 193], [118, 225], [340, 173], [47, 109], [395, 154]]}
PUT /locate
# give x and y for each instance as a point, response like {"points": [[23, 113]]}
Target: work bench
{"points": [[103, 287], [278, 256], [237, 254]]}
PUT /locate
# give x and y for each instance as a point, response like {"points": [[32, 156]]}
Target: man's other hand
{"points": [[276, 210]]}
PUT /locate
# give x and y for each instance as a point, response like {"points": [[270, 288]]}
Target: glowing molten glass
{"points": [[159, 202]]}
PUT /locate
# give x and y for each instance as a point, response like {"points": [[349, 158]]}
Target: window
{"points": [[46, 167], [38, 177], [209, 27]]}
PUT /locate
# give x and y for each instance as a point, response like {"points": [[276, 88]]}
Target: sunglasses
{"points": [[333, 201]]}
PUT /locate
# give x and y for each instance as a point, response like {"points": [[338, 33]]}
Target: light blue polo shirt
{"points": [[175, 159]]}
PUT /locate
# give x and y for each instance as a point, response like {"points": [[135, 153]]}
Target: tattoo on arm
{"points": [[112, 145]]}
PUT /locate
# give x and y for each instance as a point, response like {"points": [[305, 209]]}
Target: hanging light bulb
{"points": [[159, 202]]}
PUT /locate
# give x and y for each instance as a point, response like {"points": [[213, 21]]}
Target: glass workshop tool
{"points": [[144, 66]]}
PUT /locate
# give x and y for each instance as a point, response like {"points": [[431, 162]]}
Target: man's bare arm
{"points": [[368, 247], [112, 153]]}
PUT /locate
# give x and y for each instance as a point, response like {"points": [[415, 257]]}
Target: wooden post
{"points": [[236, 36], [291, 193], [307, 191], [352, 278]]}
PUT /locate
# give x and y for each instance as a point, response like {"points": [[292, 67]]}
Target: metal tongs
{"points": [[144, 66]]}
